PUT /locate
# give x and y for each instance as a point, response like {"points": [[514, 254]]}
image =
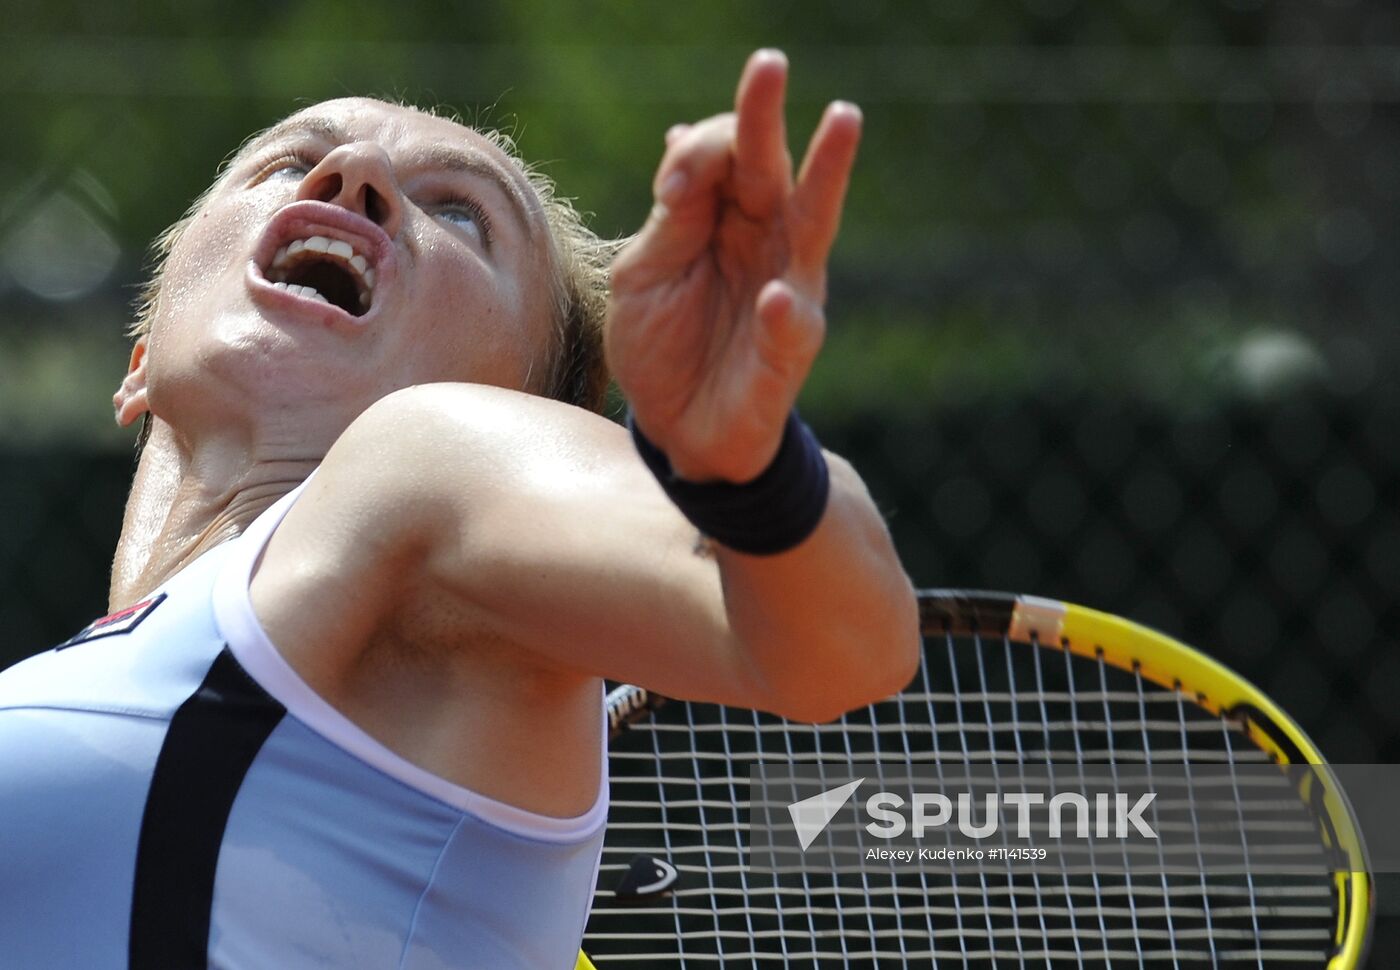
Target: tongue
{"points": [[331, 281]]}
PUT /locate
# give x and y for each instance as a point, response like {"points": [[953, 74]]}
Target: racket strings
{"points": [[679, 784]]}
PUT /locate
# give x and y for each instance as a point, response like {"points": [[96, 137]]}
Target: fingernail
{"points": [[675, 131], [672, 187]]}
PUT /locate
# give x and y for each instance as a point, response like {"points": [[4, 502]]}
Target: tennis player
{"points": [[377, 559]]}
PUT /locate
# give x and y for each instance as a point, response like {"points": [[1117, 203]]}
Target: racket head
{"points": [[951, 620]]}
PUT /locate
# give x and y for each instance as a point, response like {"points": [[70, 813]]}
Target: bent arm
{"points": [[535, 524]]}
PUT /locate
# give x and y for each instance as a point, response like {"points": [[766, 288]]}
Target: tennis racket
{"points": [[1005, 680]]}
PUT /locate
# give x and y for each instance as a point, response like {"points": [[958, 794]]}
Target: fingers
{"points": [[674, 132], [751, 142], [762, 165], [697, 158], [815, 210], [697, 161], [743, 157]]}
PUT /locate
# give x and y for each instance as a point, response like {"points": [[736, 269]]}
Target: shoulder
{"points": [[421, 449], [429, 456], [423, 437], [455, 409], [433, 481]]}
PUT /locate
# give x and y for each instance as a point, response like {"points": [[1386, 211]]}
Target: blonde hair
{"points": [[575, 370]]}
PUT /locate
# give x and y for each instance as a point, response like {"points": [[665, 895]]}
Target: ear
{"points": [[130, 399]]}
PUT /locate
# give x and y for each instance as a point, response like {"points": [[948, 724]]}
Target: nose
{"points": [[358, 177]]}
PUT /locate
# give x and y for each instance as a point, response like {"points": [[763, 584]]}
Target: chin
{"points": [[244, 363]]}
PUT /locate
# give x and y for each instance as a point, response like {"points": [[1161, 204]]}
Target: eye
{"points": [[287, 165], [465, 214]]}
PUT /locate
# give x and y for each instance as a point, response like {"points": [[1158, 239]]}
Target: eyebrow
{"points": [[440, 156], [320, 127]]}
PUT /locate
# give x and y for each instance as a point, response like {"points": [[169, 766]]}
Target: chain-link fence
{"points": [[1268, 536]]}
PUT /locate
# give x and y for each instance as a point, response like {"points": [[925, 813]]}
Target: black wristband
{"points": [[770, 514]]}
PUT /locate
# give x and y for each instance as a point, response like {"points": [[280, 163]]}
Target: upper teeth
{"points": [[338, 249]]}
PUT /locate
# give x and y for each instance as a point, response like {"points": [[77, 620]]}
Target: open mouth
{"points": [[325, 269], [323, 261]]}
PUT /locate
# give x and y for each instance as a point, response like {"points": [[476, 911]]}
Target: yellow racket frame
{"points": [[1218, 689]]}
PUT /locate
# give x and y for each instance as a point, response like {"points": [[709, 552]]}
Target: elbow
{"points": [[825, 707], [812, 708], [900, 663], [905, 663], [878, 663], [895, 662]]}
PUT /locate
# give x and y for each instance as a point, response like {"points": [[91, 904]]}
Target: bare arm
{"points": [[521, 521]]}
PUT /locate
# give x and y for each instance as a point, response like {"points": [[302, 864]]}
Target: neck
{"points": [[184, 501]]}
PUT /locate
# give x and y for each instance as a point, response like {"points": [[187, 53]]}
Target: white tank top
{"points": [[173, 795]]}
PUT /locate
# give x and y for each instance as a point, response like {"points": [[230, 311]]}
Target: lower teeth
{"points": [[306, 291]]}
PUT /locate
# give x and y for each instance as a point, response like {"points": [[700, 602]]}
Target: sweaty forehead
{"points": [[392, 125]]}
